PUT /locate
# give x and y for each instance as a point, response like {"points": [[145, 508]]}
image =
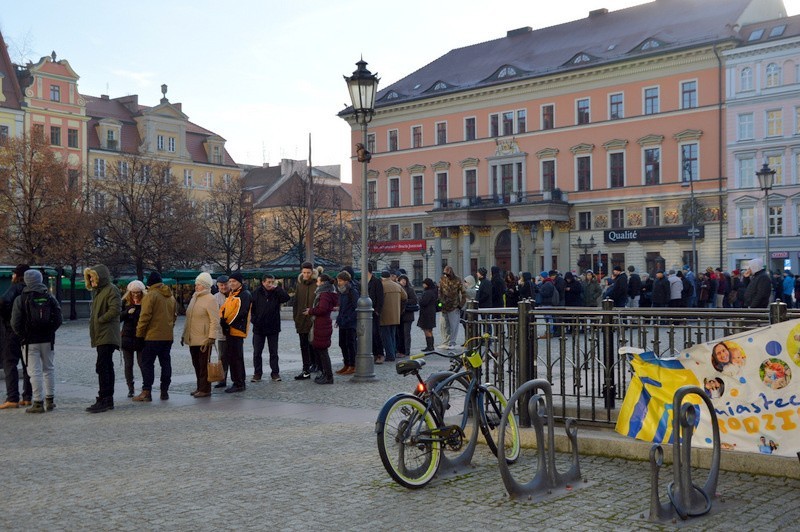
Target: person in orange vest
{"points": [[234, 318]]}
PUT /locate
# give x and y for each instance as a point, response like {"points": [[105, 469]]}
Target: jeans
{"points": [[105, 370], [388, 338], [235, 347], [200, 363], [156, 349], [453, 319], [633, 302], [42, 371], [347, 343], [258, 348], [12, 355]]}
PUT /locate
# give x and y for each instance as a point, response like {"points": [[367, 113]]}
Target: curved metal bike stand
{"points": [[686, 499], [547, 478], [453, 467]]}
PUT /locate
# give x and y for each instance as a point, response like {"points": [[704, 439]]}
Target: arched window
{"points": [[746, 79], [773, 75]]}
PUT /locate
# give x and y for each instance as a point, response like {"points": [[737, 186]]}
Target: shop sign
{"points": [[397, 246], [646, 234]]}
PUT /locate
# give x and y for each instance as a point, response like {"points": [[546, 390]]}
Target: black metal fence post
{"points": [[525, 361], [609, 354]]}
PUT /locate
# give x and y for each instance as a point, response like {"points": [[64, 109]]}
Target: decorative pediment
{"points": [[469, 162], [441, 165], [746, 200], [394, 171], [547, 153], [650, 140], [166, 110], [416, 169], [615, 144], [373, 174], [506, 147], [582, 148], [688, 134]]}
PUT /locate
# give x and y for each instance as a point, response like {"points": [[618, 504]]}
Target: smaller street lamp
{"points": [[586, 247], [766, 178], [426, 255]]}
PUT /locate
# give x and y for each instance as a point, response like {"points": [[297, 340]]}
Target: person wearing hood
{"points": [[156, 324], [303, 299], [131, 310], [234, 316], [11, 348], [104, 332], [38, 338], [325, 299], [757, 285], [573, 291], [470, 287], [200, 331]]}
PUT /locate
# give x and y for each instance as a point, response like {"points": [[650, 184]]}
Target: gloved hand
{"points": [[225, 326], [209, 341], [182, 344]]}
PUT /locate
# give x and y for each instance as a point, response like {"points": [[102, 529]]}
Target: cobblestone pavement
{"points": [[294, 456]]}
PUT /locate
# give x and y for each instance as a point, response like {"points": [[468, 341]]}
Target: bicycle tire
{"points": [[491, 404], [410, 463], [453, 401]]}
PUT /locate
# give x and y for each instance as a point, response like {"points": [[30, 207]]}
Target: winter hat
{"points": [[735, 272], [222, 279], [204, 279], [136, 286], [153, 278], [544, 275], [21, 269], [385, 274], [756, 265], [618, 268], [469, 281], [671, 272], [32, 277], [238, 277], [482, 271]]}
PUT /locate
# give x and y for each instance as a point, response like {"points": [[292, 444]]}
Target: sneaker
{"points": [[9, 404], [303, 376], [276, 378]]}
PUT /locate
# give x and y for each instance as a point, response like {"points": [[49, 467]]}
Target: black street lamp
{"points": [[426, 255], [363, 85], [586, 247], [766, 178], [693, 231]]}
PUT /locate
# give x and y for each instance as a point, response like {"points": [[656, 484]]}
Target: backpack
{"points": [[549, 294], [686, 291], [39, 315]]}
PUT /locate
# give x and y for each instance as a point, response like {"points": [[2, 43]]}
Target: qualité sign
{"points": [[674, 232], [397, 246]]}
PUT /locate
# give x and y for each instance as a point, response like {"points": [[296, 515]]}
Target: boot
{"points": [[48, 403], [130, 390], [36, 408], [103, 404], [428, 344], [164, 395], [143, 397]]}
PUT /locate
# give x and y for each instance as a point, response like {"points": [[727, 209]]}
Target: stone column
{"points": [[547, 227], [514, 228], [564, 227], [465, 250], [484, 233], [437, 253]]}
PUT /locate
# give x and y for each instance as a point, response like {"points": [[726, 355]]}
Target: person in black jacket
{"points": [[427, 311], [346, 321], [131, 310], [660, 297], [634, 287], [757, 285], [375, 292], [12, 348], [484, 289], [265, 315], [619, 290], [498, 287]]}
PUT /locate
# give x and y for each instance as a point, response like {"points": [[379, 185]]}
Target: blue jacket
{"points": [[348, 303], [788, 285]]}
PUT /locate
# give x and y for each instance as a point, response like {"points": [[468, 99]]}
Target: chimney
{"points": [[519, 31], [104, 96], [598, 12]]}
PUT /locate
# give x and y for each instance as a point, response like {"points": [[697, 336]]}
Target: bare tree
{"points": [[228, 224]]}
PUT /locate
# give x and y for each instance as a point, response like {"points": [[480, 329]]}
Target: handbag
{"points": [[412, 307], [215, 371]]}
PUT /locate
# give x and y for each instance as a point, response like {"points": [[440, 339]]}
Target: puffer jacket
{"points": [[129, 322], [324, 302], [303, 299], [106, 303], [202, 319], [236, 312], [157, 320], [265, 312]]}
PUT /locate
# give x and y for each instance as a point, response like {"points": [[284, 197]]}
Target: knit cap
{"points": [[204, 279], [32, 277]]}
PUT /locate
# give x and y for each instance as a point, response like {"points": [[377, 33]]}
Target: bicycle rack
{"points": [[547, 478], [686, 499], [452, 467]]}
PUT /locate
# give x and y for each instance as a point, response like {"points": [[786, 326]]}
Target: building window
{"points": [[689, 169], [417, 272], [616, 169], [416, 184], [38, 132], [747, 222], [746, 79], [494, 125], [548, 116], [417, 231], [615, 107], [584, 173], [171, 144], [744, 126], [4, 133], [372, 195], [508, 123], [582, 111], [471, 182], [441, 132], [776, 163], [394, 192], [776, 220], [651, 105], [773, 75], [371, 142], [55, 93], [617, 219], [100, 168], [469, 128], [392, 140], [160, 142], [122, 169], [55, 136], [394, 232], [522, 121], [209, 180], [548, 174], [652, 166], [216, 155], [187, 178], [441, 187], [72, 138], [584, 220], [688, 94], [226, 178], [797, 116], [652, 216], [775, 123], [746, 170], [416, 137]]}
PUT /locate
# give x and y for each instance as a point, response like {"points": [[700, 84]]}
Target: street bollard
{"points": [[778, 312]]}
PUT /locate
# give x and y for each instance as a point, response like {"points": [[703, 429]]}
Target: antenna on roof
{"points": [[263, 154]]}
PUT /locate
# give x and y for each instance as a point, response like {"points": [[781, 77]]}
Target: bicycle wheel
{"points": [[455, 409], [406, 441], [491, 403]]}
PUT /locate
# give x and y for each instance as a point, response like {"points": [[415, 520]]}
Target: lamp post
{"points": [[427, 255], [363, 85], [586, 247], [766, 178], [693, 231]]}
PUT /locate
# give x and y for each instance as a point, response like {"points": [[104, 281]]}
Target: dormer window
{"points": [[756, 35], [216, 158], [440, 86], [392, 95], [649, 45], [111, 140], [581, 58], [506, 72]]}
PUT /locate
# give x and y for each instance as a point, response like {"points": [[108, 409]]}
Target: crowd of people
{"points": [[223, 313]]}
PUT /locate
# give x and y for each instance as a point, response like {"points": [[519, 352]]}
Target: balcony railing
{"points": [[499, 200]]}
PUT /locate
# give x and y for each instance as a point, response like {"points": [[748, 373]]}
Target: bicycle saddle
{"points": [[405, 367]]}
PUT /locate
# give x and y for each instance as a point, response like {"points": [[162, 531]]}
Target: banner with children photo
{"points": [[747, 376]]}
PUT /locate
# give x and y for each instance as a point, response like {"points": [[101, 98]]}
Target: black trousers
{"points": [[234, 346], [105, 370], [258, 348], [347, 343], [156, 349]]}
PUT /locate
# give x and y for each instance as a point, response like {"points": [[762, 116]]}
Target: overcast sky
{"points": [[264, 74]]}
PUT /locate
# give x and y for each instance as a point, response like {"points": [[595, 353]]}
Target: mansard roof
{"points": [[8, 75], [601, 38]]}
